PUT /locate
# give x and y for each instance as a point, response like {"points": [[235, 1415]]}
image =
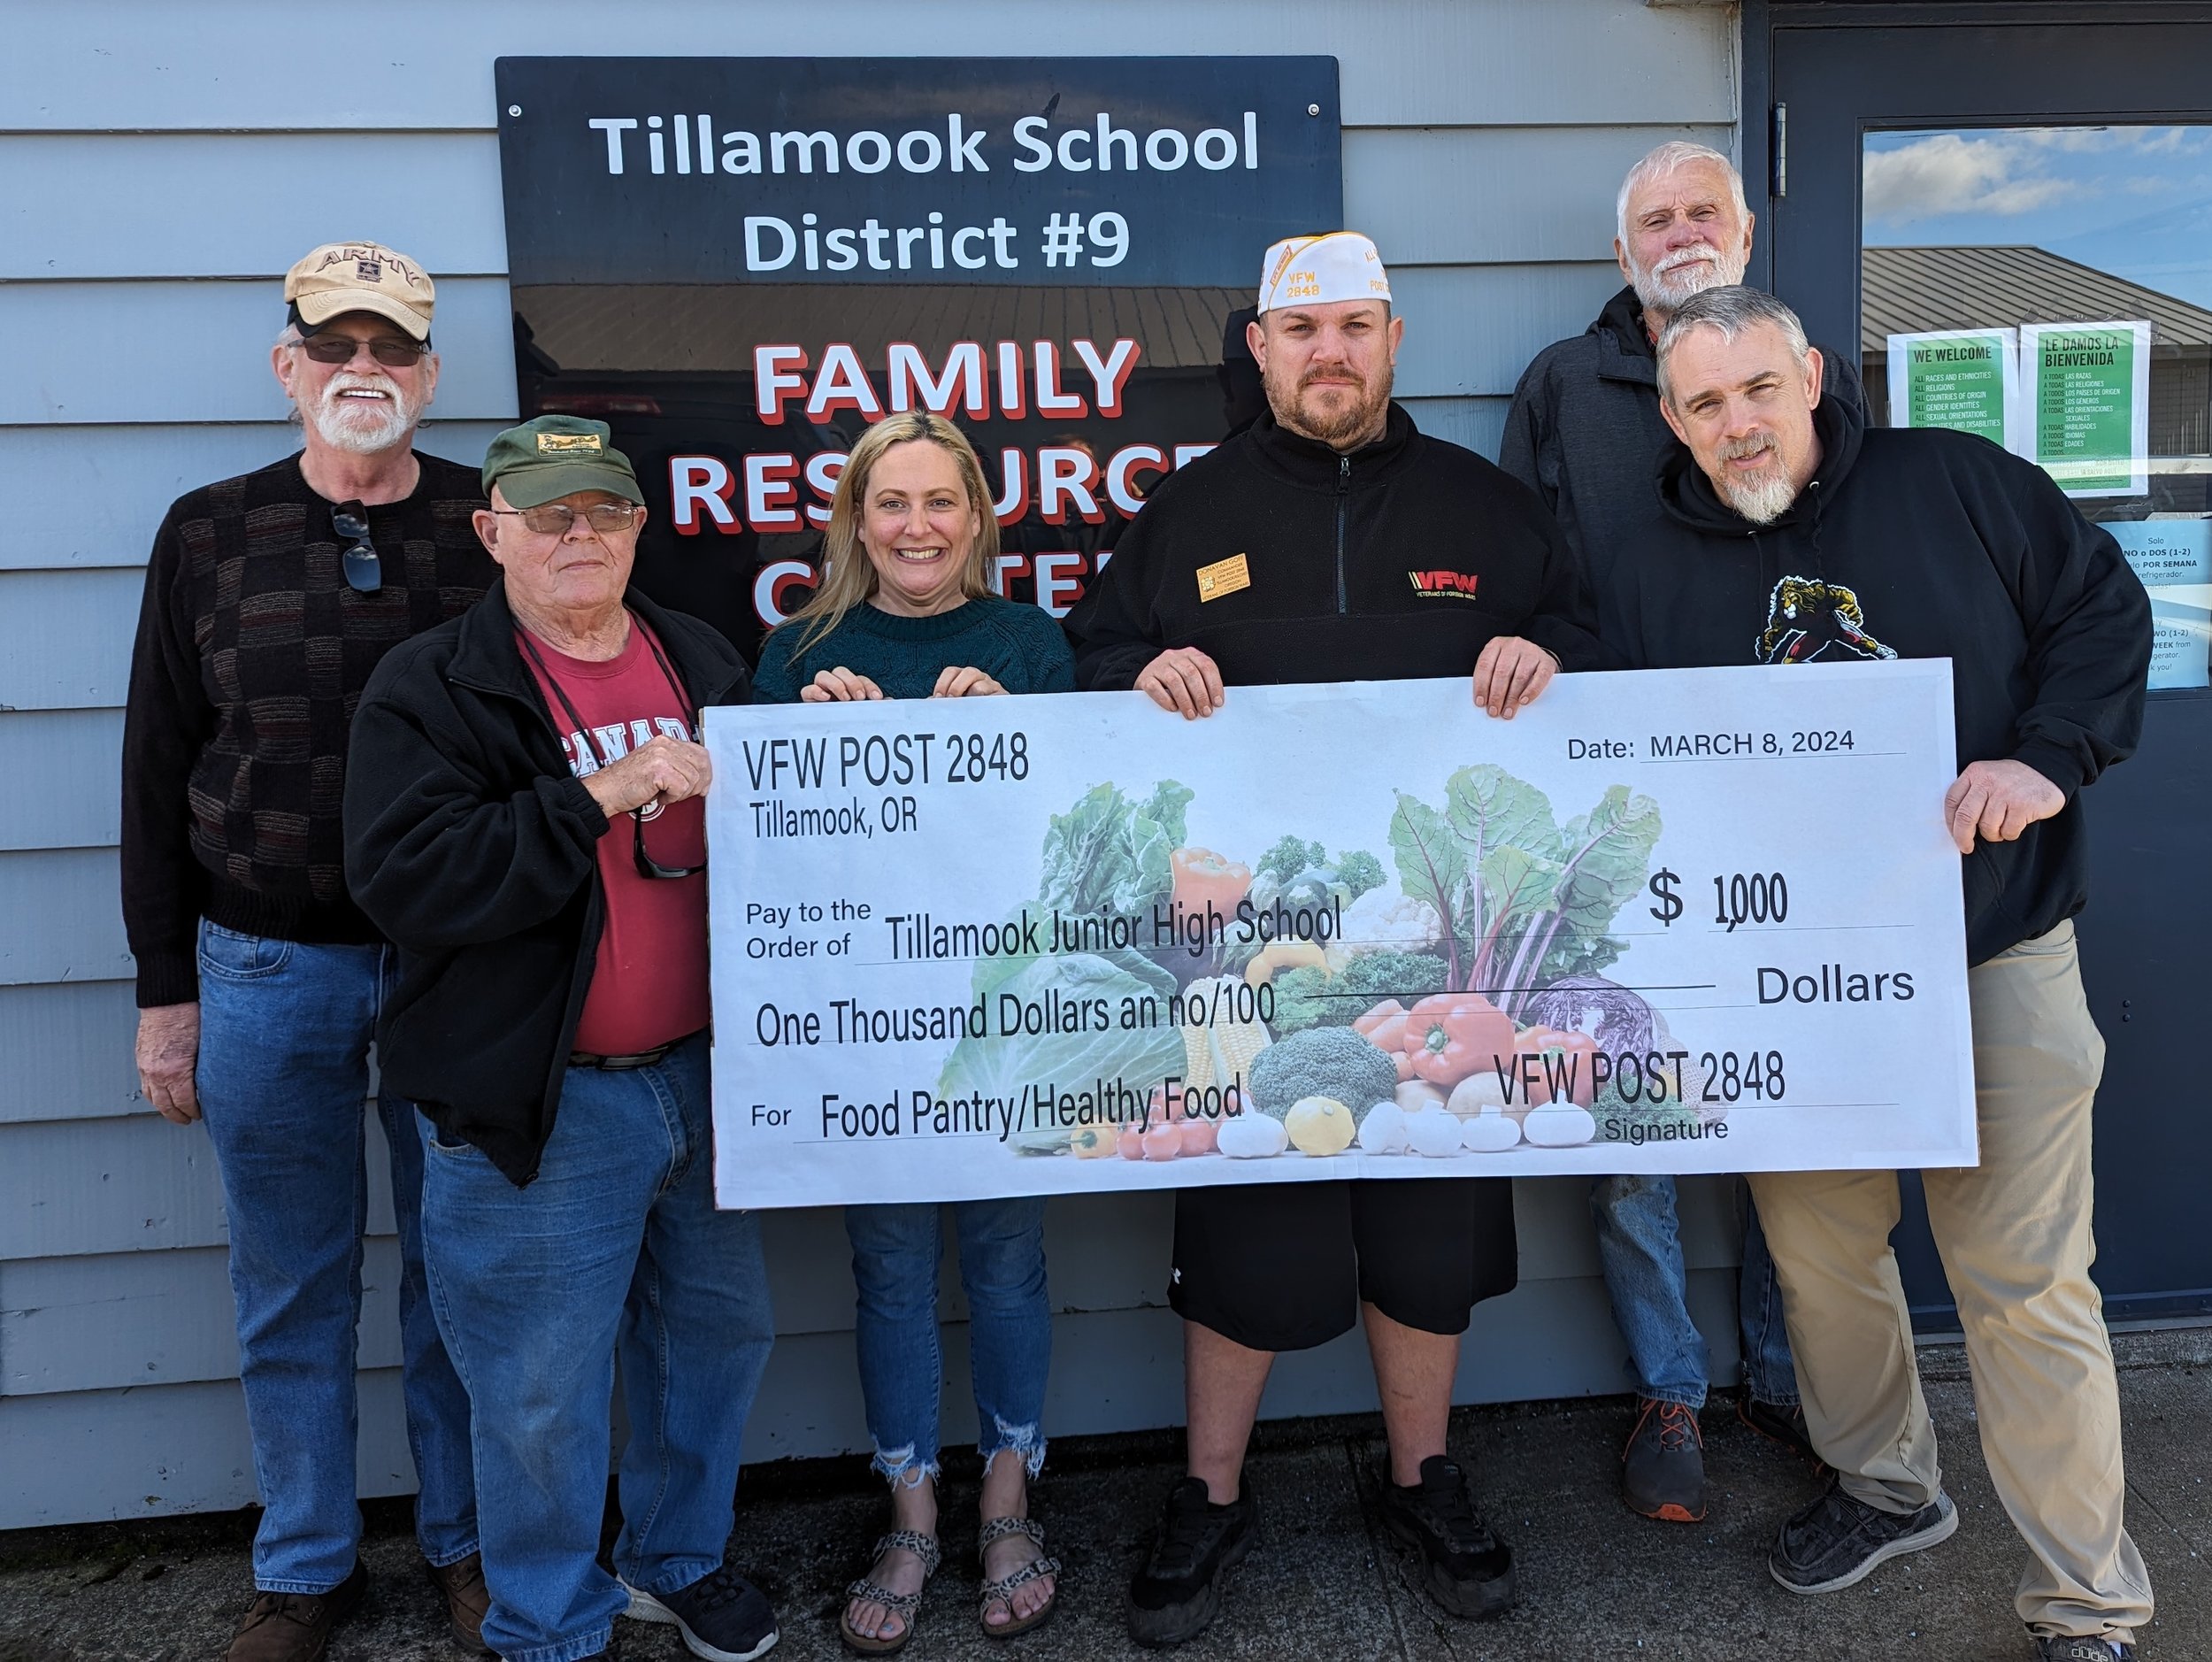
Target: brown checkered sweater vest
{"points": [[250, 657]]}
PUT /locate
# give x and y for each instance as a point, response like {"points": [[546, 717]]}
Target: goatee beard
{"points": [[1761, 498]]}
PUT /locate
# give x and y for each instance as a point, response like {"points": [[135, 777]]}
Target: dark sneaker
{"points": [[1838, 1540], [296, 1627], [1662, 1468], [1177, 1590], [1466, 1569], [2084, 1650], [1780, 1422], [467, 1600], [722, 1616]]}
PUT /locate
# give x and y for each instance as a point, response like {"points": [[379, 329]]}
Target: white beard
{"points": [[361, 426], [1762, 498], [1683, 274]]}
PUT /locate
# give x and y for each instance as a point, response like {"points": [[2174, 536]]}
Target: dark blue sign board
{"points": [[1120, 172]]}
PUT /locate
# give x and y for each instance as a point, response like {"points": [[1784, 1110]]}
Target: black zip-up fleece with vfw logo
{"points": [[1400, 560]]}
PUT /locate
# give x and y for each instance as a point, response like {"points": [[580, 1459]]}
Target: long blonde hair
{"points": [[849, 577]]}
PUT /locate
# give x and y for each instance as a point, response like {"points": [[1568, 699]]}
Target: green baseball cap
{"points": [[556, 456]]}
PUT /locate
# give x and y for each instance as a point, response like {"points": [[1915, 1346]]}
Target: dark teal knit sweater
{"points": [[1018, 646]]}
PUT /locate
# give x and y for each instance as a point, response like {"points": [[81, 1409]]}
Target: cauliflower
{"points": [[1381, 921], [1332, 1062]]}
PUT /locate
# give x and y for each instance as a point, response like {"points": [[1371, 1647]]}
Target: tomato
{"points": [[1162, 1143]]}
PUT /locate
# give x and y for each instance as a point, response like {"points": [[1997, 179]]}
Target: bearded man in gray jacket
{"points": [[1586, 433]]}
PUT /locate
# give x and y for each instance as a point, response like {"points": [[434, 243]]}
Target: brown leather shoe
{"points": [[296, 1627], [467, 1599]]}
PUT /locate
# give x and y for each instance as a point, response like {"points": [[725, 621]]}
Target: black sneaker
{"points": [[1662, 1468], [1838, 1540], [1178, 1590], [722, 1616], [1780, 1422], [1466, 1569], [2084, 1650]]}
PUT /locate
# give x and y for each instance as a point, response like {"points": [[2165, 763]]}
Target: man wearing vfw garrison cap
{"points": [[269, 599], [1331, 541], [525, 818]]}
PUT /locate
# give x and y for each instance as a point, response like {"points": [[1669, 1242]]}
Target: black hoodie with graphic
{"points": [[1919, 544]]}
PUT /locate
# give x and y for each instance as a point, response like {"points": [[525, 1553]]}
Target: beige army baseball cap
{"points": [[342, 277]]}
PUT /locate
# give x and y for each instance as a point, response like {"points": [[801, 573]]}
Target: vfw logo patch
{"points": [[1444, 585], [1808, 621]]}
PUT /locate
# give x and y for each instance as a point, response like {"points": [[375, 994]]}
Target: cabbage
{"points": [[1003, 1065]]}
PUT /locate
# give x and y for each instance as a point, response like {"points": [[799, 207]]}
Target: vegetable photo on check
{"points": [[1332, 541], [904, 611]]}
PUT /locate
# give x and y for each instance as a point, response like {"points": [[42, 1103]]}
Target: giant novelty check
{"points": [[1681, 921]]}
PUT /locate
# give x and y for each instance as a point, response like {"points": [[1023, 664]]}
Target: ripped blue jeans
{"points": [[895, 1255]]}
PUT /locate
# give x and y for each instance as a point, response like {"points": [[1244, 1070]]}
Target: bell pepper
{"points": [[1203, 878], [1385, 1028], [1450, 1036], [1572, 1056]]}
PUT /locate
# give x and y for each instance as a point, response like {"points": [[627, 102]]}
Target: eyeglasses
{"points": [[364, 573], [394, 351], [553, 519], [647, 865]]}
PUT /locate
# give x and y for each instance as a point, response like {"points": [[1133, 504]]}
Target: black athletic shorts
{"points": [[1285, 1266]]}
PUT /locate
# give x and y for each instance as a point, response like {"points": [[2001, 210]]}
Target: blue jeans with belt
{"points": [[615, 1248], [283, 1082], [1640, 1246], [896, 1254]]}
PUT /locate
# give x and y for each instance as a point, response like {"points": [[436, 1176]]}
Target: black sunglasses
{"points": [[647, 865], [364, 573], [393, 352]]}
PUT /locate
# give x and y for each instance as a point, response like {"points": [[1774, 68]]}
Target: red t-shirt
{"points": [[649, 982]]}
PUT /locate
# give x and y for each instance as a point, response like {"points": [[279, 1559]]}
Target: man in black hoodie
{"points": [[1794, 535], [1331, 542]]}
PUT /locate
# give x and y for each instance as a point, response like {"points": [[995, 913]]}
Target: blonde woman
{"points": [[904, 608], [903, 612]]}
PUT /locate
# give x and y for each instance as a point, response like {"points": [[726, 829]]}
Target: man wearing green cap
{"points": [[524, 819]]}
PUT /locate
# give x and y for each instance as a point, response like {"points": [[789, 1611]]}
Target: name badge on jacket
{"points": [[1223, 577]]}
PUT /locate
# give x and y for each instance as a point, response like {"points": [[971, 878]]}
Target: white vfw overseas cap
{"points": [[1319, 270]]}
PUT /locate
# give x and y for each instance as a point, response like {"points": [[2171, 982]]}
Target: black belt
{"points": [[622, 1064]]}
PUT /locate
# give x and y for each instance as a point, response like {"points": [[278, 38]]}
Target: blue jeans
{"points": [[1640, 1245], [283, 1081], [896, 1252], [615, 1248]]}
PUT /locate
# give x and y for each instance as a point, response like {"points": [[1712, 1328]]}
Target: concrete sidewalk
{"points": [[1595, 1580]]}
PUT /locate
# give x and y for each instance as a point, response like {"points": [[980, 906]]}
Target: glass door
{"points": [[2013, 220]]}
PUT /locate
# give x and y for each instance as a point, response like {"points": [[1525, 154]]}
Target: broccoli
{"points": [[1302, 1001], [1332, 1062], [1314, 998], [1287, 858], [1372, 977], [1359, 871]]}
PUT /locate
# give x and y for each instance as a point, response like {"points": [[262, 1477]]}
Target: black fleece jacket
{"points": [[1919, 544], [475, 849], [1399, 560], [1585, 430]]}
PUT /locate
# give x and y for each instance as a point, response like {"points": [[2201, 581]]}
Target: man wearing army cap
{"points": [[524, 819], [269, 599]]}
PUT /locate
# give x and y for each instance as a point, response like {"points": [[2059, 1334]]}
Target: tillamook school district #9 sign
{"points": [[1679, 921]]}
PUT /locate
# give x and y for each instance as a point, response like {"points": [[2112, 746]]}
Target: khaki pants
{"points": [[2014, 1236]]}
